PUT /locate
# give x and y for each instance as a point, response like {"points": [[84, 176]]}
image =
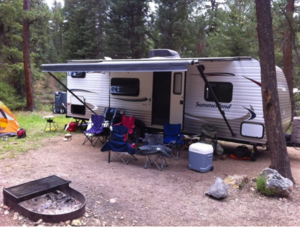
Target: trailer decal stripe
{"points": [[252, 114], [133, 100], [82, 90], [257, 83], [219, 74]]}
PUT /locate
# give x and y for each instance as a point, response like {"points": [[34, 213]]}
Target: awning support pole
{"points": [[215, 98], [71, 92]]}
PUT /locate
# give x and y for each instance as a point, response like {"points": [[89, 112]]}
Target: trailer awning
{"points": [[121, 66]]}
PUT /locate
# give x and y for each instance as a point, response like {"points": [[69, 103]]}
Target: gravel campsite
{"points": [[129, 195]]}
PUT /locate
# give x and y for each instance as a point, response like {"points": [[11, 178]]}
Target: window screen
{"points": [[125, 86], [222, 90]]}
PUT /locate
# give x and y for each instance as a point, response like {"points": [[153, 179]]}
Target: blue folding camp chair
{"points": [[95, 130], [118, 144], [173, 138]]}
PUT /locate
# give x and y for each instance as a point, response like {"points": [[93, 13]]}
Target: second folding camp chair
{"points": [[153, 139], [173, 138], [118, 144], [154, 154], [95, 130], [154, 151]]}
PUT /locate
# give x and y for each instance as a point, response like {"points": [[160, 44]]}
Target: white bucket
{"points": [[5, 138]]}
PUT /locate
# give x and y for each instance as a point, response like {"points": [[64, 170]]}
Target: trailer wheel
{"points": [[297, 146], [138, 131]]}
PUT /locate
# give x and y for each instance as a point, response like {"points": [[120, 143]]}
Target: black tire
{"points": [[136, 134], [138, 131], [296, 146]]}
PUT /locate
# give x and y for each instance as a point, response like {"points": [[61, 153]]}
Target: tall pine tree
{"points": [[173, 24], [126, 31], [12, 80], [232, 31], [82, 29], [54, 47], [11, 67]]}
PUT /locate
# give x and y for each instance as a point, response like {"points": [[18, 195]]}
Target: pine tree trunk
{"points": [[26, 58], [279, 157], [100, 29], [287, 50]]}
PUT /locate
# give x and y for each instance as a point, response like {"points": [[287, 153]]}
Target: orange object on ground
{"points": [[9, 125]]}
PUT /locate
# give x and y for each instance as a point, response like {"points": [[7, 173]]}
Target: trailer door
{"points": [[177, 98], [168, 97], [161, 97]]}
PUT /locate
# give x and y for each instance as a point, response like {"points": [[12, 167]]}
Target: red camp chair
{"points": [[128, 121]]}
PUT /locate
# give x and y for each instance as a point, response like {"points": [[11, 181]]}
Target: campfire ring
{"points": [[13, 196]]}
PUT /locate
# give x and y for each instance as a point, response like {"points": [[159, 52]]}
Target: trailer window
{"points": [[222, 90], [125, 86], [252, 130], [77, 74], [177, 83]]}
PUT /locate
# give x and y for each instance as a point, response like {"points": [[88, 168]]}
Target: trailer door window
{"points": [[222, 90], [125, 86], [177, 83]]}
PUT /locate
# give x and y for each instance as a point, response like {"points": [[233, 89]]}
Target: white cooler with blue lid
{"points": [[200, 157]]}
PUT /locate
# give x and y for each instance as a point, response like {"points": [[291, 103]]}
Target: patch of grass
{"points": [[44, 106], [12, 155], [34, 124], [262, 187]]}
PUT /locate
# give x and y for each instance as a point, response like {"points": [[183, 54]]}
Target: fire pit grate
{"points": [[14, 196]]}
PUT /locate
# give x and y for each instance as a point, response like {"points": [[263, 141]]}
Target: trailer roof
{"points": [[127, 65]]}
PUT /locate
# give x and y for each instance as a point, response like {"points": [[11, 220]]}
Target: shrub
{"points": [[262, 186]]}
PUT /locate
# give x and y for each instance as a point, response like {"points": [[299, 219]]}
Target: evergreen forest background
{"points": [[93, 29]]}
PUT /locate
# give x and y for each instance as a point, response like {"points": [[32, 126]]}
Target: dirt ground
{"points": [[129, 195]]}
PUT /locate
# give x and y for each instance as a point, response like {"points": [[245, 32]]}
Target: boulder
{"points": [[278, 184], [236, 181], [219, 190]]}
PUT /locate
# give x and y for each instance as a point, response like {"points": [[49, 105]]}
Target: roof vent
{"points": [[163, 53]]}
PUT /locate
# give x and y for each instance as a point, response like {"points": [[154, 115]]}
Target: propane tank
{"points": [[295, 136]]}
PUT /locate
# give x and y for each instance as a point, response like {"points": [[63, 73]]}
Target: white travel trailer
{"points": [[224, 92]]}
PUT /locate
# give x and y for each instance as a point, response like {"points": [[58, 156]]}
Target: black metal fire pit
{"points": [[15, 195]]}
